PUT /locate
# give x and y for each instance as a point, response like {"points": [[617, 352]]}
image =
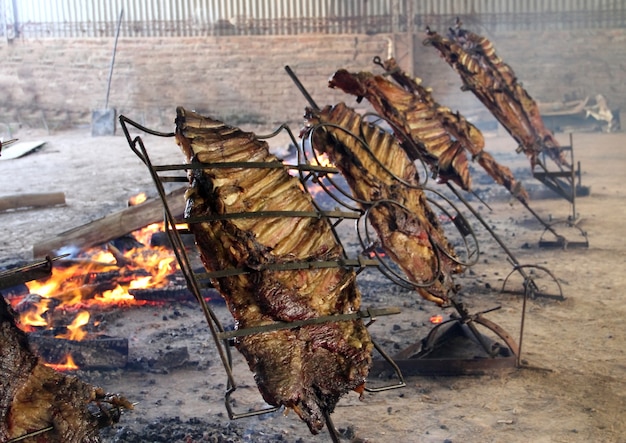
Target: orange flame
{"points": [[74, 285], [117, 296], [322, 160], [137, 199], [34, 317], [67, 365], [75, 329], [436, 319]]}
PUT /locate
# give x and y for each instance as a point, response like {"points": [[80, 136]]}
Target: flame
{"points": [[67, 365], [34, 317], [137, 199], [75, 329], [145, 234], [115, 296], [436, 319], [75, 285], [322, 160]]}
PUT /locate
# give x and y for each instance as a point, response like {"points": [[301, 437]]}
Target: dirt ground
{"points": [[571, 388]]}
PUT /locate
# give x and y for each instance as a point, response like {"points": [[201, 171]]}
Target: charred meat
{"points": [[414, 121], [384, 180], [306, 369], [34, 397], [494, 83], [468, 135]]}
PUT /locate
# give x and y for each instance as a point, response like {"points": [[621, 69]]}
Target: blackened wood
{"points": [[162, 239], [96, 352], [173, 293]]}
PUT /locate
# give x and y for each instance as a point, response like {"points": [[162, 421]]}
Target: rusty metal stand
{"points": [[458, 347], [405, 361], [561, 182], [566, 183], [517, 267], [196, 281]]}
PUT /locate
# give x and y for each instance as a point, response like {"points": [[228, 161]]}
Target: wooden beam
{"points": [[113, 226]]}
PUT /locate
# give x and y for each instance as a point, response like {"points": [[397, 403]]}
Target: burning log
{"points": [[112, 226], [171, 293], [36, 399], [92, 352]]}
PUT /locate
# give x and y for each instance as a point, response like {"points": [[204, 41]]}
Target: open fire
{"points": [[98, 278]]}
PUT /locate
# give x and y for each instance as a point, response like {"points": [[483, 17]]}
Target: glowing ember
{"points": [[443, 218], [75, 329], [67, 365], [377, 253], [436, 319]]}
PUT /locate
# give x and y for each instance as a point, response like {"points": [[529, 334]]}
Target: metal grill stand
{"points": [[566, 183], [196, 281]]}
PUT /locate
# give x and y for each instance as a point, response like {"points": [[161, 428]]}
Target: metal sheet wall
{"points": [[170, 18]]}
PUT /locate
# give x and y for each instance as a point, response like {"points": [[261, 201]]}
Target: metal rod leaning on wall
{"points": [[117, 35]]}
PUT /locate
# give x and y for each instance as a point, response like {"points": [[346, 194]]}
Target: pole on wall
{"points": [[103, 120]]}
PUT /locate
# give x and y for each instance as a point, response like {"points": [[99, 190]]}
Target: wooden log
{"points": [[22, 201], [174, 293], [114, 225], [96, 352]]}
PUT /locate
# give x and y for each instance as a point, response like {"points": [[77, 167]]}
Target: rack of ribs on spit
{"points": [[39, 404], [494, 83], [434, 132], [460, 129], [385, 183], [247, 213], [420, 132]]}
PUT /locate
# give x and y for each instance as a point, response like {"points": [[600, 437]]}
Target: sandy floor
{"points": [[573, 386]]}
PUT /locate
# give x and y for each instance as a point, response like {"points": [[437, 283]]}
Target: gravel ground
{"points": [[577, 395]]}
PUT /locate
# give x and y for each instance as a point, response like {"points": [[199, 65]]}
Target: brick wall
{"points": [[242, 79]]}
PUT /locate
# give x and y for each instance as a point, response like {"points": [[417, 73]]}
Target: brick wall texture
{"points": [[242, 79]]}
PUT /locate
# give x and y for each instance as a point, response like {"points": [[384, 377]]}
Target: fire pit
{"points": [[65, 306], [314, 173]]}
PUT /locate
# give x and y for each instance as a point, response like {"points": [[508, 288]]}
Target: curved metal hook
{"points": [[529, 284]]}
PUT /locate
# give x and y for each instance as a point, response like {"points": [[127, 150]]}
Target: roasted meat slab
{"points": [[415, 122], [439, 136], [460, 129], [384, 180], [494, 83], [306, 369], [34, 397]]}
